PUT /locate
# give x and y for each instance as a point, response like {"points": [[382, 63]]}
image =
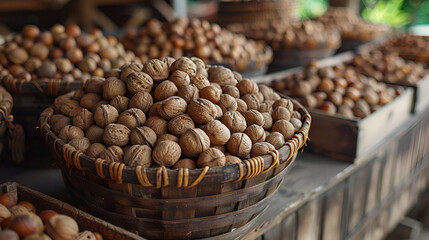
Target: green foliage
{"points": [[311, 8], [388, 12]]}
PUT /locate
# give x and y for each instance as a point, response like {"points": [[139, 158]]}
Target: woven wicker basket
{"points": [[6, 104], [30, 99], [221, 202]]}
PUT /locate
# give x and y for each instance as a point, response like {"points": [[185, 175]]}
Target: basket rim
{"points": [[161, 175]]}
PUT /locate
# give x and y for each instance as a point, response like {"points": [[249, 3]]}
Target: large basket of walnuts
{"points": [[155, 150]]}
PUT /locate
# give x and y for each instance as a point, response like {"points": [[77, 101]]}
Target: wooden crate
{"points": [[85, 221]]}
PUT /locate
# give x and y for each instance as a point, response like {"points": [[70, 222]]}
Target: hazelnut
{"points": [[132, 118], [239, 145], [276, 139], [165, 90], [32, 64], [252, 101], [113, 154], [45, 215], [142, 101], [39, 50], [256, 133], [231, 90], [87, 235], [328, 107], [26, 224], [9, 235], [89, 100], [120, 103], [241, 105], [185, 163], [4, 212], [184, 64], [211, 157], [95, 150], [301, 89], [126, 70], [87, 65], [94, 134], [18, 210], [254, 117], [193, 142], [172, 107], [202, 110], [309, 101], [138, 155], [94, 85], [80, 143], [234, 121], [371, 97], [31, 32], [231, 159], [188, 92], [28, 205], [18, 56], [179, 124], [47, 70], [346, 111], [166, 153], [113, 87], [70, 132], [143, 136], [167, 136], [156, 69], [62, 227], [116, 134], [336, 98], [211, 93], [361, 109], [261, 149], [280, 113], [200, 81], [105, 114], [179, 78], [268, 121], [247, 86], [284, 127], [227, 103], [217, 132], [157, 124], [222, 76], [83, 119]]}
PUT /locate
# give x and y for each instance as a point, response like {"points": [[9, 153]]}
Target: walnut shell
{"points": [[241, 105], [200, 81], [188, 92], [83, 119], [284, 127], [239, 145], [58, 122], [95, 134], [217, 132], [179, 78], [18, 56], [231, 90], [254, 117], [113, 87], [222, 76], [94, 85], [70, 132], [276, 139], [120, 103], [172, 107], [138, 155], [116, 134], [268, 121], [106, 114], [297, 124], [185, 163], [193, 142], [80, 143], [280, 113], [165, 90], [256, 133], [186, 65], [202, 110], [156, 69], [261, 149], [95, 150], [227, 103], [211, 157], [166, 153], [211, 93], [142, 101], [247, 86], [167, 136], [179, 124], [231, 159], [113, 154], [266, 106], [139, 81], [132, 118], [127, 69], [234, 121], [157, 124], [89, 100], [65, 106], [284, 103], [143, 136], [251, 100]]}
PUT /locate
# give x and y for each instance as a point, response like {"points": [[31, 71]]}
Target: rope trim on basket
{"points": [[142, 177], [99, 167], [255, 166]]}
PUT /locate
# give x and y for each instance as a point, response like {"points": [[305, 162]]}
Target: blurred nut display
{"points": [[199, 38], [408, 46]]}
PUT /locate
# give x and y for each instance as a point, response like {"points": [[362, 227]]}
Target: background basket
{"points": [[294, 57], [30, 99], [160, 203], [6, 104]]}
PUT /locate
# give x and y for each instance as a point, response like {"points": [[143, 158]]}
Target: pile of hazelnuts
{"points": [[350, 25], [177, 113], [409, 46], [199, 38], [388, 67], [305, 34], [20, 220], [64, 52], [338, 89]]}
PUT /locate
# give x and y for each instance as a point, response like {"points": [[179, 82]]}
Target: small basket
{"points": [[159, 203], [30, 99]]}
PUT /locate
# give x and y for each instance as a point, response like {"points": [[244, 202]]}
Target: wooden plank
{"points": [[274, 234], [333, 212], [358, 188], [309, 221], [375, 182], [288, 227]]}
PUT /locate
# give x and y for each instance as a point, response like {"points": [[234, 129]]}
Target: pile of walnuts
{"points": [[408, 46], [64, 52], [177, 113]]}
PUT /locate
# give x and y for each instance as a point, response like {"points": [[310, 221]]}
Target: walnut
{"points": [[138, 155], [139, 81], [297, 124], [120, 103], [70, 132], [227, 103], [219, 112], [95, 150], [211, 157], [284, 103], [284, 127], [200, 81], [83, 119], [98, 104], [254, 117], [193, 142], [167, 136], [142, 101], [143, 136], [157, 124], [165, 90], [296, 114], [89, 100], [166, 153], [168, 60], [217, 132], [251, 100], [247, 86], [276, 139], [239, 145], [80, 143], [202, 110], [280, 113], [127, 69], [231, 90], [268, 93], [113, 87], [241, 105], [211, 93], [221, 75], [188, 92], [32, 64], [268, 121], [172, 107], [105, 114], [132, 118], [18, 56], [156, 69], [113, 154], [94, 134], [261, 149], [186, 65], [185, 163], [267, 107], [231, 159], [64, 105], [116, 134], [179, 78], [179, 124], [256, 133], [234, 121], [221, 148], [94, 85]]}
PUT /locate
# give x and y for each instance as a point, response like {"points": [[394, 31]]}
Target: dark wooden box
{"points": [[85, 220]]}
